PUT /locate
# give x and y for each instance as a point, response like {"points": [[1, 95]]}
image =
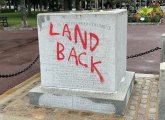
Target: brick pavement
{"points": [[143, 104], [144, 100]]}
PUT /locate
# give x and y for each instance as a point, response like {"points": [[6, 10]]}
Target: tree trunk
{"points": [[23, 13], [45, 3], [77, 3], [29, 6], [66, 5], [56, 6], [40, 4], [9, 3], [15, 5], [70, 2]]}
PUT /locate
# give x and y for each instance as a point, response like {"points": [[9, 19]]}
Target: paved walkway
{"points": [[14, 104], [144, 100], [142, 38], [17, 50]]}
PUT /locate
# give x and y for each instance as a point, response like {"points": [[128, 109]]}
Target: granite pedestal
{"points": [[102, 102], [83, 61]]}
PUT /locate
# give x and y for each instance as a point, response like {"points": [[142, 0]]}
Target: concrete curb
{"points": [[146, 75], [13, 92], [19, 28], [151, 23]]}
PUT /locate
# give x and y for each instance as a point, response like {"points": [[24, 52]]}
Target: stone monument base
{"points": [[102, 102]]}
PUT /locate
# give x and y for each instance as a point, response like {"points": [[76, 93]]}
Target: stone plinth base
{"points": [[161, 92], [110, 103]]}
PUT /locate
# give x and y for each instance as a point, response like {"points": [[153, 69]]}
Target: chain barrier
{"points": [[144, 53], [36, 59], [22, 71]]}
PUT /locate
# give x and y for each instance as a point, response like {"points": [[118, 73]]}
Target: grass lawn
{"points": [[14, 19]]}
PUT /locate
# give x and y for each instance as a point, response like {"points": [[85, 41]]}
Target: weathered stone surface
{"points": [[140, 117], [162, 82], [142, 105], [114, 103], [152, 117], [83, 61], [152, 110], [145, 92], [17, 107], [132, 113], [162, 52], [143, 101], [132, 107], [80, 51], [153, 104], [153, 99], [144, 96], [142, 110]]}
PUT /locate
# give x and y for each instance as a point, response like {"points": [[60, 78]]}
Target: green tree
{"points": [[23, 13], [68, 4], [9, 4], [2, 2], [77, 4], [29, 4]]}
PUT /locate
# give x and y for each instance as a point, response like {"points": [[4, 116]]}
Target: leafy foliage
{"points": [[153, 13], [2, 2], [145, 11]]}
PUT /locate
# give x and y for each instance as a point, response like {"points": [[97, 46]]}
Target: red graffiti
{"points": [[92, 35], [66, 30], [60, 49], [51, 30], [77, 32], [93, 68], [73, 55], [85, 65]]}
